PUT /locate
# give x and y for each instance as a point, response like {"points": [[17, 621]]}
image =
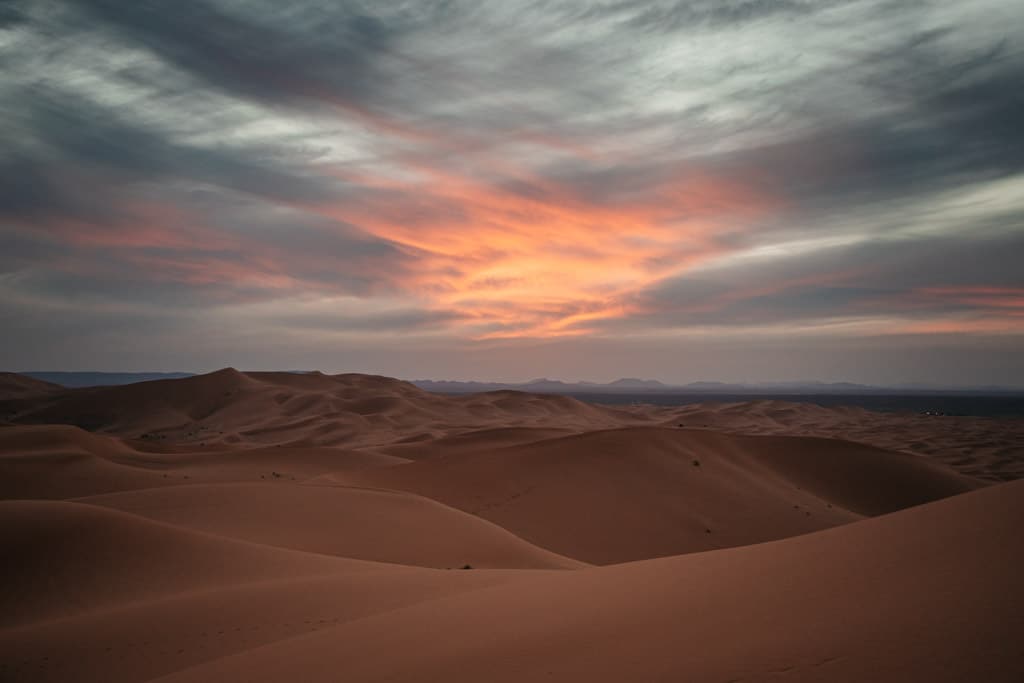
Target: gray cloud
{"points": [[71, 130], [323, 54], [871, 279], [954, 133], [404, 320], [689, 14]]}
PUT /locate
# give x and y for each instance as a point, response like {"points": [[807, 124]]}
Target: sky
{"points": [[734, 190]]}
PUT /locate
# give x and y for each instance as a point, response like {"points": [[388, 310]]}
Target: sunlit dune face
{"points": [[528, 258]]}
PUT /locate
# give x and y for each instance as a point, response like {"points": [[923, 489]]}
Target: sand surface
{"points": [[989, 448], [276, 526]]}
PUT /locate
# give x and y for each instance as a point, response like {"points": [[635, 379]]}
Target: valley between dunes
{"points": [[265, 526]]}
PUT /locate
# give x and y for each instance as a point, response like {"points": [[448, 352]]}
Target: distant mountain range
{"points": [[544, 385], [97, 379], [632, 385]]}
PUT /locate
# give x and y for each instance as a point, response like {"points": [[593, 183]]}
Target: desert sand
{"points": [[276, 526]]}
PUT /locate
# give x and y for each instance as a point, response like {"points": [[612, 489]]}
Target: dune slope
{"points": [[919, 595], [74, 558], [63, 461], [383, 526], [635, 493], [985, 447], [99, 595]]}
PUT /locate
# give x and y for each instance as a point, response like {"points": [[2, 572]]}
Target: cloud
{"points": [[954, 128], [509, 173], [320, 53], [681, 15], [487, 245], [967, 276]]}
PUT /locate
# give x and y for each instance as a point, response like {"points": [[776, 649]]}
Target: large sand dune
{"points": [[635, 493], [229, 407], [74, 558], [380, 525], [102, 595], [62, 461], [282, 526], [984, 447], [883, 600]]}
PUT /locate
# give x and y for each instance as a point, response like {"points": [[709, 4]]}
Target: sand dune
{"points": [[984, 447], [139, 641], [15, 386], [636, 493], [99, 595], [424, 446], [283, 526], [230, 408], [59, 461], [385, 526], [75, 558], [888, 599], [62, 461]]}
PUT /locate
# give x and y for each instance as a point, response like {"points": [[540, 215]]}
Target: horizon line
{"points": [[664, 385]]}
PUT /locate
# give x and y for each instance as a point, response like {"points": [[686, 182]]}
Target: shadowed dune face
{"points": [[69, 552], [636, 493], [59, 461], [281, 526], [378, 525]]}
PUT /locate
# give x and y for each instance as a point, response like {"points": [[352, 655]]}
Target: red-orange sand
{"points": [[281, 527]]}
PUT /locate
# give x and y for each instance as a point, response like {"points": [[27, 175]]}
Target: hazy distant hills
{"points": [[544, 385], [632, 385], [97, 379]]}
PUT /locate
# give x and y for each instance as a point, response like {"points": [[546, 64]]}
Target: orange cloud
{"points": [[526, 257]]}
